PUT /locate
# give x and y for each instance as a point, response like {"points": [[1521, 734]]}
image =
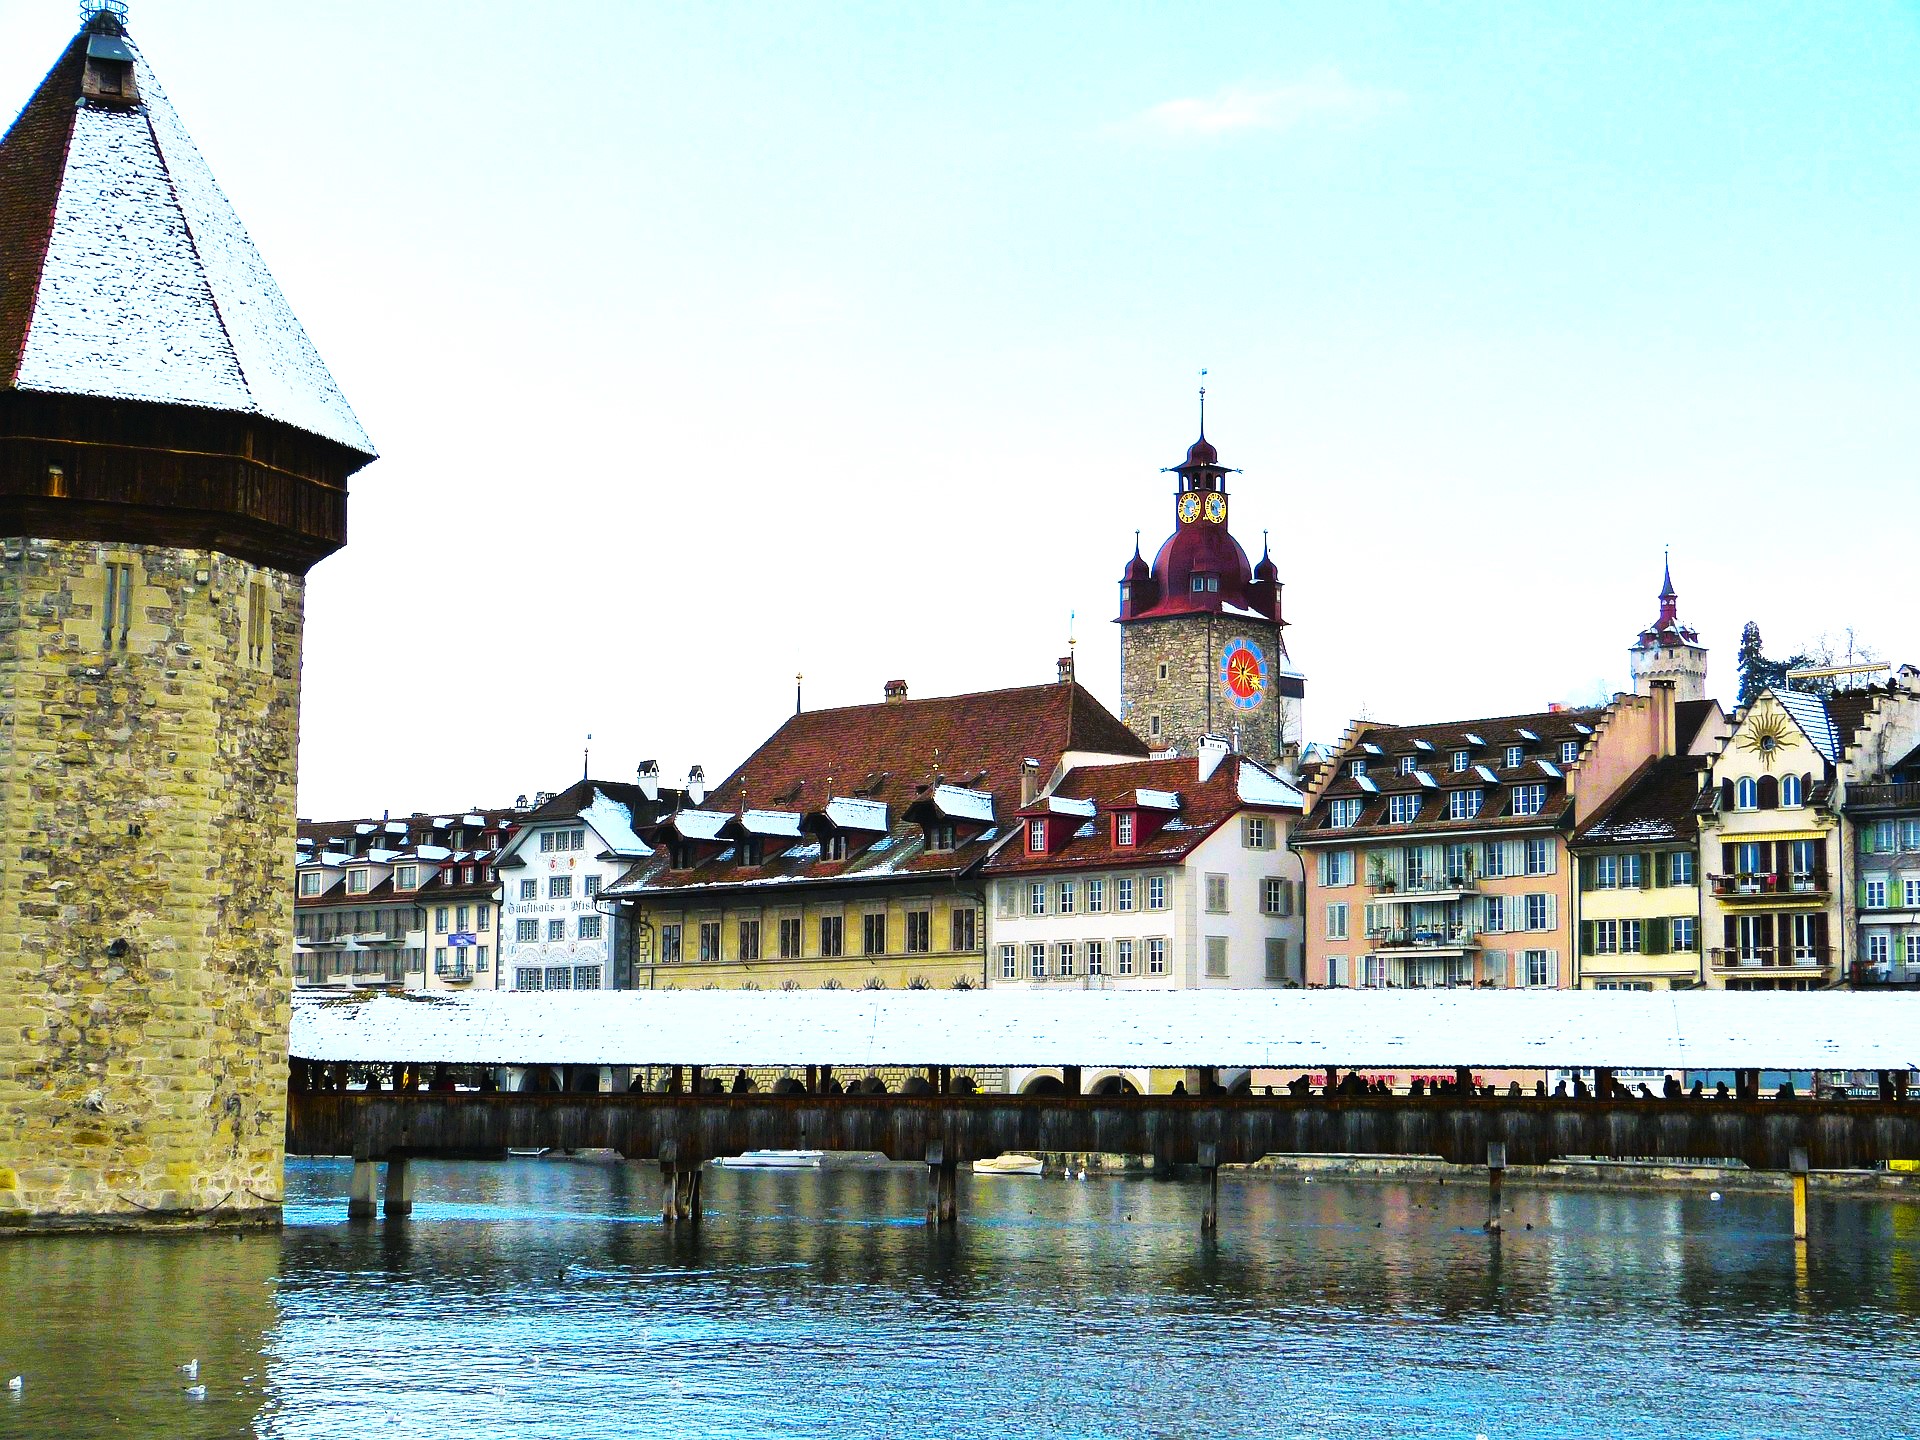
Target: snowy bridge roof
{"points": [[1284, 1029]]}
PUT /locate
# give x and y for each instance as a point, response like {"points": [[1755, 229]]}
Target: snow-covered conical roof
{"points": [[126, 274]]}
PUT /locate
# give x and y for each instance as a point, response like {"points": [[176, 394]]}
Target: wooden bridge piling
{"points": [[1496, 1176]]}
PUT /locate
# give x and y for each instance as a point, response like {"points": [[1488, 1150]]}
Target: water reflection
{"points": [[544, 1298]]}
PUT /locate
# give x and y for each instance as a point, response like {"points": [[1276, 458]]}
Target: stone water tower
{"points": [[174, 457]]}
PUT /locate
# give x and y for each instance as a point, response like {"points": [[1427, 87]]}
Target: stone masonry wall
{"points": [[1190, 646], [146, 860]]}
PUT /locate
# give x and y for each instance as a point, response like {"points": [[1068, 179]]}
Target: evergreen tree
{"points": [[1757, 672]]}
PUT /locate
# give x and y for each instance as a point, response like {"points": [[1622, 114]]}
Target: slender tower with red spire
{"points": [[1668, 650], [1202, 644], [174, 457]]}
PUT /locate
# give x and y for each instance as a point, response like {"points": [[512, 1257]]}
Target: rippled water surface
{"points": [[543, 1298]]}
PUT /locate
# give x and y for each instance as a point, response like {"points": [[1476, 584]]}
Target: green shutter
{"points": [[1587, 863], [1662, 869], [1586, 937], [1655, 936], [1866, 839]]}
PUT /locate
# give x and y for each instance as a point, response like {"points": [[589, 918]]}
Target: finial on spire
{"points": [[1203, 404], [92, 10]]}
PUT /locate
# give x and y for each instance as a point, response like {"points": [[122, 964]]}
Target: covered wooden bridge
{"points": [[415, 1045]]}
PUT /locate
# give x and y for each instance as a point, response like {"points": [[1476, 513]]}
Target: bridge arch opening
{"points": [[1114, 1085], [1043, 1085]]}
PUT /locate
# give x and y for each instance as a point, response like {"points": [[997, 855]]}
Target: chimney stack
{"points": [[896, 691], [650, 780], [1213, 749], [697, 784], [1065, 666], [1029, 782], [1665, 738]]}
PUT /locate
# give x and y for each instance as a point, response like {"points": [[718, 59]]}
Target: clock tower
{"points": [[1202, 648]]}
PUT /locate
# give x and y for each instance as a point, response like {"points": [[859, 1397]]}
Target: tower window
{"points": [[116, 606], [1153, 725], [256, 622], [1163, 669]]}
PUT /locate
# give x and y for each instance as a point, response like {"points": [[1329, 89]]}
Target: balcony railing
{"points": [[1763, 884], [1873, 974], [1768, 957], [1883, 797], [1421, 887], [1424, 937]]}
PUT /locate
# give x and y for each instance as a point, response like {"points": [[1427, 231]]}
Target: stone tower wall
{"points": [[1685, 665], [147, 821], [1190, 646]]}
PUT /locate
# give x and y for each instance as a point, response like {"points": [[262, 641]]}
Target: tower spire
{"points": [[1203, 404], [1669, 597]]}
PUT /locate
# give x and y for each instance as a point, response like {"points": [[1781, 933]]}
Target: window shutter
{"points": [[1553, 968], [1866, 839], [1656, 936], [1553, 912], [1730, 933], [1763, 925], [1648, 859], [1586, 937], [1587, 866], [1662, 869]]}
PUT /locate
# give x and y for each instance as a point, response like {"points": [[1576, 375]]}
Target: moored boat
{"points": [[773, 1160], [1008, 1165]]}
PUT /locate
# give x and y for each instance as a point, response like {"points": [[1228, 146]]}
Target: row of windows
{"points": [[560, 841], [1089, 896], [1498, 913], [789, 936], [1536, 970], [1418, 867], [1766, 793], [405, 877], [1875, 890], [557, 977], [1676, 934], [588, 927], [460, 960], [1405, 808], [458, 916], [1637, 870], [1512, 757], [1066, 958], [1879, 949], [560, 887], [1887, 837]]}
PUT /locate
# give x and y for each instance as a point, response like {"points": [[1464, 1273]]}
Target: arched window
{"points": [[1746, 794], [1769, 793], [1790, 790]]}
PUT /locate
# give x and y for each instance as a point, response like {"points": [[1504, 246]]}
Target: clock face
{"points": [[1243, 673], [1216, 507], [1189, 508]]}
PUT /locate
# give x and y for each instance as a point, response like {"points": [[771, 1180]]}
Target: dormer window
{"points": [[1461, 759], [1569, 751], [834, 847], [359, 881], [752, 850], [1343, 813], [680, 854], [1205, 584], [1515, 757], [1408, 763], [406, 877], [1356, 769], [310, 882], [940, 838], [1036, 837], [1123, 828]]}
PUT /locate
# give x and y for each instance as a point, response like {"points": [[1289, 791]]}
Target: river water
{"points": [[543, 1298]]}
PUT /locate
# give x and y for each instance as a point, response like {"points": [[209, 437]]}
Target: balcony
{"points": [[1425, 887], [1770, 885], [1883, 797], [1802, 960], [454, 974], [1883, 975], [1424, 939]]}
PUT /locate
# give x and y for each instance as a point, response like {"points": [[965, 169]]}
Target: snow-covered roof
{"points": [[960, 803], [1427, 781], [1420, 744], [1149, 799], [698, 824], [1525, 734], [1548, 768], [434, 852], [1366, 784], [1260, 786], [613, 823], [784, 824], [1067, 805], [1486, 774], [1473, 739], [846, 814], [1285, 1029], [152, 290], [1229, 608]]}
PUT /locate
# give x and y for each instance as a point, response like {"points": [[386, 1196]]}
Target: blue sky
{"points": [[705, 344]]}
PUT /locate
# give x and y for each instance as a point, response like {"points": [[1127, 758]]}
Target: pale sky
{"points": [[705, 344]]}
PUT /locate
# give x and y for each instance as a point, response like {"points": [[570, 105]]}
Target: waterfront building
{"points": [[174, 458], [848, 850], [556, 932], [1771, 845], [1202, 638], [1637, 910], [1437, 853], [1883, 826], [407, 902]]}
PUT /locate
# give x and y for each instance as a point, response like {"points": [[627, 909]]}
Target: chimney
{"points": [[896, 691], [1029, 782], [697, 784], [1065, 667], [1213, 749], [1664, 738], [650, 780]]}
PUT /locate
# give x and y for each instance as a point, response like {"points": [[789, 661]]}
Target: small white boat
{"points": [[523, 1153], [1008, 1165], [773, 1160]]}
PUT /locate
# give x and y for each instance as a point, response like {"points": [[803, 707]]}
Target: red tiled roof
{"points": [[32, 161], [1654, 807], [895, 753], [1203, 809], [1497, 732]]}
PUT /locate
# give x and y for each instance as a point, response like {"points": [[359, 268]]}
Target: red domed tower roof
{"points": [[1200, 568]]}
